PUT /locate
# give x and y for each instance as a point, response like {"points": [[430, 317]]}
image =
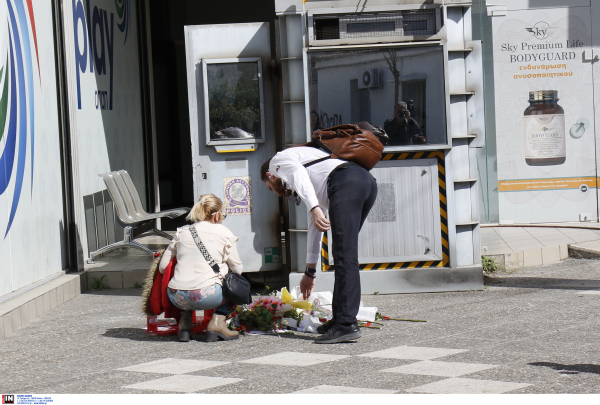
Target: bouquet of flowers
{"points": [[280, 311], [275, 312]]}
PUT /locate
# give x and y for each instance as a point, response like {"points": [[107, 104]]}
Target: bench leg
{"points": [[139, 246], [119, 245], [125, 243], [156, 232]]}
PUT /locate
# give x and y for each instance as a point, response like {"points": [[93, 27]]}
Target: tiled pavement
{"points": [[514, 247], [172, 373], [461, 349], [502, 240], [531, 331]]}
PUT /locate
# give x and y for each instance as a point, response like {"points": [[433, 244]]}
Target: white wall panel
{"points": [[462, 198], [31, 243], [460, 160], [464, 240], [108, 99], [475, 103], [258, 228], [454, 28], [458, 116], [404, 223], [456, 72]]}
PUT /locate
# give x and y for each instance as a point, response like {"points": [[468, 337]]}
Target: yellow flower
{"points": [[286, 298]]}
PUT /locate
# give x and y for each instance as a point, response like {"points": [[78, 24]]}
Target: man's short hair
{"points": [[264, 169], [402, 104]]}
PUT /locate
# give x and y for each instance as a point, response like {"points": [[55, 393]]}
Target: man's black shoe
{"points": [[325, 327], [340, 333]]}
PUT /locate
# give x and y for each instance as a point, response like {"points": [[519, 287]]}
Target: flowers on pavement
{"points": [[277, 312]]}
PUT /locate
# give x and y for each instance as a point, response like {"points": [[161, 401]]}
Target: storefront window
{"points": [[399, 89], [233, 97]]}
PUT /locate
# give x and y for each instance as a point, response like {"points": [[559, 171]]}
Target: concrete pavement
{"points": [[536, 330], [517, 246]]}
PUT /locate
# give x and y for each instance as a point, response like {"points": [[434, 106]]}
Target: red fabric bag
{"points": [[170, 310], [159, 301]]}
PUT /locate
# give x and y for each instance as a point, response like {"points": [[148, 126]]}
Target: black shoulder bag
{"points": [[235, 287]]}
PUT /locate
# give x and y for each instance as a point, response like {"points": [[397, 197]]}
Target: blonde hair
{"points": [[206, 206]]}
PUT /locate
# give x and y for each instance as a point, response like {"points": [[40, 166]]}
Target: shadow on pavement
{"points": [[310, 337], [137, 334], [570, 368], [542, 282], [294, 336]]}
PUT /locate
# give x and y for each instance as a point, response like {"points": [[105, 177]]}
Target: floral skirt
{"points": [[210, 297]]}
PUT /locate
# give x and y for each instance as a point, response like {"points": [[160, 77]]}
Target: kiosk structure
{"points": [[410, 67]]}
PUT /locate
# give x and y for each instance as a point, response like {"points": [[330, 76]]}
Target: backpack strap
{"points": [[314, 162], [319, 145]]}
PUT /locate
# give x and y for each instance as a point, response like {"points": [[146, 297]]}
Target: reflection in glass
{"points": [[234, 100], [399, 89]]}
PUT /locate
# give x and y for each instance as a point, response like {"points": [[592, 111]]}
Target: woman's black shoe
{"points": [[325, 327], [185, 326], [340, 333], [184, 335]]}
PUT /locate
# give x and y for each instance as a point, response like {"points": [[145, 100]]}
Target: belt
{"points": [[334, 171]]}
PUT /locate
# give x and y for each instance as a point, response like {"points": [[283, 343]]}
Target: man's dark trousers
{"points": [[352, 191]]}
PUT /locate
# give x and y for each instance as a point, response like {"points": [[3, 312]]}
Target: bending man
{"points": [[348, 191]]}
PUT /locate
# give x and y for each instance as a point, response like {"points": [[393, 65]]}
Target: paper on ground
{"points": [[309, 324], [366, 314], [291, 322], [324, 297]]}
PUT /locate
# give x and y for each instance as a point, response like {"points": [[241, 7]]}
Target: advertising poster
{"points": [[545, 115]]}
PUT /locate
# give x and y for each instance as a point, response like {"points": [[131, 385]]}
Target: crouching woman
{"points": [[195, 285]]}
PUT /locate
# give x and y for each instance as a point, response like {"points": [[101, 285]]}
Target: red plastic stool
{"points": [[167, 327], [203, 324]]}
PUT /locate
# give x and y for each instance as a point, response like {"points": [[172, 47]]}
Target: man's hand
{"points": [[321, 223], [307, 286]]}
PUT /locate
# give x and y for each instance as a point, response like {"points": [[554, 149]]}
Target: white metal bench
{"points": [[130, 213]]}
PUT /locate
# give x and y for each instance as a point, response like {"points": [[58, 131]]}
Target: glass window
{"points": [[234, 101], [399, 89]]}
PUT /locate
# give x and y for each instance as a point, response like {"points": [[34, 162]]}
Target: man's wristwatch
{"points": [[312, 273]]}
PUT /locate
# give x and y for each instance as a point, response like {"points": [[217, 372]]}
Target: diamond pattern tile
{"points": [[183, 383], [467, 386], [334, 389], [174, 366], [590, 292], [439, 368], [295, 359], [413, 353]]}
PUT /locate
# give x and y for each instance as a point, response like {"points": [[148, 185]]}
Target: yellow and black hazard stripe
{"points": [[443, 220], [325, 253]]}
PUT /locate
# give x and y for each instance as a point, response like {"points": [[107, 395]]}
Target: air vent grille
{"points": [[368, 25]]}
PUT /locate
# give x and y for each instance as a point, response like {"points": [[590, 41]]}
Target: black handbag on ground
{"points": [[235, 287]]}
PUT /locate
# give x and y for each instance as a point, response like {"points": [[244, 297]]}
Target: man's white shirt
{"points": [[310, 183]]}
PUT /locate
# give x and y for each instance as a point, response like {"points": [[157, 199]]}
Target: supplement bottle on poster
{"points": [[544, 123]]}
